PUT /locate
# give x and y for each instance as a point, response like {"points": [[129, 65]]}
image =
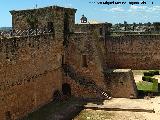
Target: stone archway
{"points": [[66, 89]]}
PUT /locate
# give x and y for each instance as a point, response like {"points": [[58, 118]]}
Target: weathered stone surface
{"points": [[121, 83], [30, 72], [133, 52], [31, 66]]}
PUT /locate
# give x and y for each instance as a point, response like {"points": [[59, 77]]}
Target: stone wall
{"points": [[84, 44], [133, 51], [102, 29], [30, 72], [39, 19], [121, 83]]}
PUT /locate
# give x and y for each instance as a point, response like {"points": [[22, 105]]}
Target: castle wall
{"points": [[121, 83], [133, 51], [101, 29], [83, 44], [39, 18], [30, 72]]}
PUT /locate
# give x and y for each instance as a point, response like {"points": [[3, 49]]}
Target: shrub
{"points": [[155, 85], [148, 73], [147, 78], [155, 72]]}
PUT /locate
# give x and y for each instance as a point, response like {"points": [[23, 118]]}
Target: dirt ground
{"points": [[124, 105], [145, 104], [123, 109]]}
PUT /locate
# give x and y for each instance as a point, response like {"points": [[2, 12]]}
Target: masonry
{"points": [[47, 53], [133, 51], [28, 65], [31, 64]]}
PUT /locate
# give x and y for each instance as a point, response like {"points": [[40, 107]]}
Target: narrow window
{"points": [[84, 61], [62, 59], [50, 27], [8, 115], [100, 31]]}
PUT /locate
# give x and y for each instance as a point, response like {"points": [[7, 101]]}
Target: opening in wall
{"points": [[8, 115], [50, 27], [84, 61], [63, 62], [66, 89], [100, 31]]}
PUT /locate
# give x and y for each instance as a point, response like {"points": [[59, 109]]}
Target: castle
{"points": [[47, 54]]}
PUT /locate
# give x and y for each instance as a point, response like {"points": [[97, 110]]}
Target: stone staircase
{"points": [[81, 80]]}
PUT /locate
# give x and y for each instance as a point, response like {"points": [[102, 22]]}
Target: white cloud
{"points": [[155, 8], [135, 8], [117, 9]]}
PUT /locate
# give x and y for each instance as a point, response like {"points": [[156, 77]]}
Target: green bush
{"points": [[151, 73], [155, 85], [147, 78], [155, 72], [148, 73]]}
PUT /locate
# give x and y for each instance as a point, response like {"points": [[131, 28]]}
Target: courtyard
{"points": [[115, 109]]}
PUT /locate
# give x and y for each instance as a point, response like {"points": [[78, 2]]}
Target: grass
{"points": [[147, 86]]}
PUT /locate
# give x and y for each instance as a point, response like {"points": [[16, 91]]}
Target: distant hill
{"points": [[5, 28]]}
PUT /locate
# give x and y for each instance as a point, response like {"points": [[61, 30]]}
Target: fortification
{"points": [[133, 51], [47, 54], [31, 64]]}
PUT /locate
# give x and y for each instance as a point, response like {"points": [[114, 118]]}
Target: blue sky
{"points": [[102, 13]]}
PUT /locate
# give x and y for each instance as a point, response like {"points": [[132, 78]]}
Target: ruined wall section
{"points": [[82, 44], [121, 83], [30, 72], [133, 51]]}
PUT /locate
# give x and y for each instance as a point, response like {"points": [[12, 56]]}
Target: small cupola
{"points": [[83, 19]]}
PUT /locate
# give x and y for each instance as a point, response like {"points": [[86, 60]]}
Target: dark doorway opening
{"points": [[84, 61], [66, 89], [100, 31], [8, 115], [62, 60]]}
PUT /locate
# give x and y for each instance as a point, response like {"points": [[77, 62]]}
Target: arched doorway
{"points": [[66, 89]]}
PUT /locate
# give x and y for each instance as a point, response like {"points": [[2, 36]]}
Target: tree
{"points": [[134, 25]]}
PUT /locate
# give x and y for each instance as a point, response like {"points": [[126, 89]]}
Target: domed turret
{"points": [[83, 19]]}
